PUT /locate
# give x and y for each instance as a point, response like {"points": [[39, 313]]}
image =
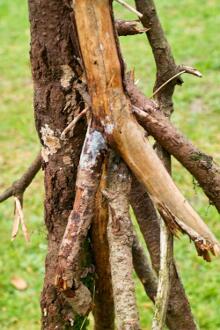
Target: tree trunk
{"points": [[55, 70]]}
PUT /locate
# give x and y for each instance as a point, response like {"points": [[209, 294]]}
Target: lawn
{"points": [[192, 28]]}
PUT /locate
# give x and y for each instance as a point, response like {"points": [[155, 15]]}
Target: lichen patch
{"points": [[67, 76], [51, 142]]}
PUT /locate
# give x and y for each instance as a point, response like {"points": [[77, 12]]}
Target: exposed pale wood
{"points": [[112, 108], [163, 290], [202, 166]]}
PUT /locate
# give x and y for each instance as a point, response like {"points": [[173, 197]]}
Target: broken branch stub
{"points": [[112, 108]]}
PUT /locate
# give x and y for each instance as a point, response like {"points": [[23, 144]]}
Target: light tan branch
{"points": [[112, 109], [120, 236]]}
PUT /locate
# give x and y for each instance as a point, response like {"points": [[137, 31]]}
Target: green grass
{"points": [[192, 29]]}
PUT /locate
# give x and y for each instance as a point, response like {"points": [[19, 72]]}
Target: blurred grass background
{"points": [[192, 28]]}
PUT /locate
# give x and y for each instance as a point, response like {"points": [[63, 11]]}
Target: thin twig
{"points": [[18, 187], [166, 82], [163, 289], [73, 123], [133, 10]]}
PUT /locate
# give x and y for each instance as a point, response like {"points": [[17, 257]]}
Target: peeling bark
{"points": [[69, 269], [120, 236]]}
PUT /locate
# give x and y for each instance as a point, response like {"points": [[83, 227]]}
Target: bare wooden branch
{"points": [[120, 236], [179, 314], [73, 123], [103, 310], [112, 109], [164, 282], [88, 177], [204, 169], [143, 269], [125, 28], [18, 187], [130, 8]]}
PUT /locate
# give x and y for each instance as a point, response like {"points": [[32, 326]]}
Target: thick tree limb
{"points": [[120, 236], [179, 315], [88, 177], [112, 108], [103, 310], [125, 28], [18, 187], [200, 165]]}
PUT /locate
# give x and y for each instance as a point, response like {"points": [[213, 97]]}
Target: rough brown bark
{"points": [[179, 314], [54, 70], [103, 310], [165, 63]]}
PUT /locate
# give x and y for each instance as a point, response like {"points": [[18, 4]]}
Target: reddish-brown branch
{"points": [[200, 165], [18, 187], [143, 269], [103, 310], [88, 177]]}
